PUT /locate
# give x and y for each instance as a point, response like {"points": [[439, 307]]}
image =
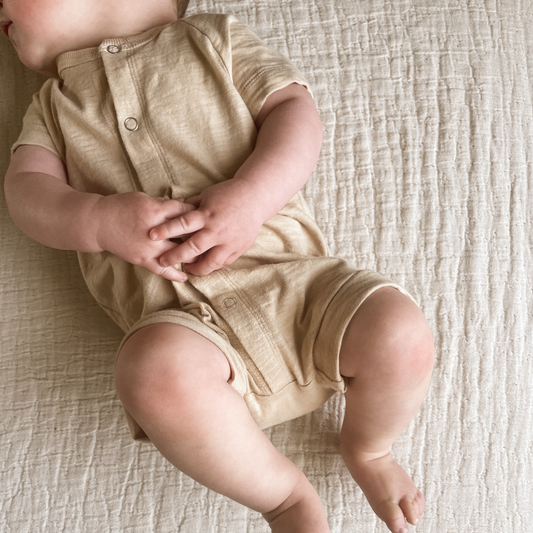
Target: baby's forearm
{"points": [[51, 212], [43, 205], [286, 152]]}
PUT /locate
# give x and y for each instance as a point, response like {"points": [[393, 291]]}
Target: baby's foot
{"points": [[388, 488]]}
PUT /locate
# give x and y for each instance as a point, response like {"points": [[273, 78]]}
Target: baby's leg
{"points": [[387, 358], [174, 383]]}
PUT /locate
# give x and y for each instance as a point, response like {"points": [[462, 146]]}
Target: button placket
{"points": [[117, 73], [131, 122]]}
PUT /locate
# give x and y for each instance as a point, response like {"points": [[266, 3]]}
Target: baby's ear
{"points": [[182, 7]]}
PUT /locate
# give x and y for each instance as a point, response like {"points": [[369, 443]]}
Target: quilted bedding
{"points": [[425, 175]]}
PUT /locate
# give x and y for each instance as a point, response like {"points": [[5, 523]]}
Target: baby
{"points": [[169, 153]]}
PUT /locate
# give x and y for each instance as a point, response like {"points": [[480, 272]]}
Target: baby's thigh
{"points": [[163, 358]]}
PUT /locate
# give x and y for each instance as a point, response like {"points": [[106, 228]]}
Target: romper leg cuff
{"points": [[338, 315]]}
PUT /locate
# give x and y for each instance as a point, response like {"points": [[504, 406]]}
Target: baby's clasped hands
{"points": [[223, 226]]}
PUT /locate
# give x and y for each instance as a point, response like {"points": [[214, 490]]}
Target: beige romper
{"points": [[171, 112]]}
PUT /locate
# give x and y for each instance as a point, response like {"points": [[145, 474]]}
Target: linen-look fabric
{"points": [[171, 112]]}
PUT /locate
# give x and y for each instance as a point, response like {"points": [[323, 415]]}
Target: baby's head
{"points": [[41, 30]]}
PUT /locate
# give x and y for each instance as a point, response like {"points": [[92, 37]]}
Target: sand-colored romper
{"points": [[171, 112]]}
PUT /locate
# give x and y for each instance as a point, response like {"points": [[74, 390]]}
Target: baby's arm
{"points": [[230, 214], [45, 207]]}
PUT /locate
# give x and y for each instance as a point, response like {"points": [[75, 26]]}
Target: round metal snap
{"points": [[131, 124], [113, 49], [229, 302]]}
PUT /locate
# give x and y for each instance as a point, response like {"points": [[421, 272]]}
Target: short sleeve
{"points": [[39, 127], [256, 69]]}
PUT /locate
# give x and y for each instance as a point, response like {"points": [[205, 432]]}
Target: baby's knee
{"points": [[147, 373], [390, 335], [408, 338], [166, 364]]}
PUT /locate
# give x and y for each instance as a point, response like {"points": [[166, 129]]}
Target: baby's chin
{"points": [[39, 64]]}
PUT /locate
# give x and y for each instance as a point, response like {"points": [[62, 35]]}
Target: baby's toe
{"points": [[421, 501], [412, 509], [393, 515]]}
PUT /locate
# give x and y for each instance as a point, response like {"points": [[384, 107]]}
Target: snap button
{"points": [[131, 124], [113, 49], [229, 302]]}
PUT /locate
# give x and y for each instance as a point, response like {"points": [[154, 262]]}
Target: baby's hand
{"points": [[124, 224], [223, 227]]}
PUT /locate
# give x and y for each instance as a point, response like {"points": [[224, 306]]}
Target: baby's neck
{"points": [[116, 23], [128, 21]]}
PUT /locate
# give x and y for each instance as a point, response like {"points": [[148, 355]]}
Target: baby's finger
{"points": [[193, 247], [213, 260], [170, 273], [174, 208], [182, 225], [193, 200]]}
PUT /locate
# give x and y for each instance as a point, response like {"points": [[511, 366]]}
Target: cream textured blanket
{"points": [[425, 175]]}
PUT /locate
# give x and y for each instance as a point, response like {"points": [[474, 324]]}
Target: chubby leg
{"points": [[387, 358], [174, 383]]}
